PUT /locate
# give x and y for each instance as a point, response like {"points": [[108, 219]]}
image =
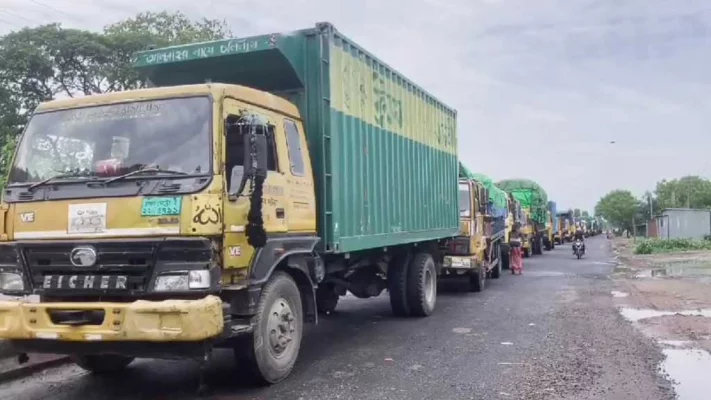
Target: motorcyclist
{"points": [[579, 236]]}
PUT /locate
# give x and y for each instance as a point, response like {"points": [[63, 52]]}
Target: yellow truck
{"points": [[566, 227], [513, 222], [169, 221], [549, 239], [527, 233], [476, 253]]}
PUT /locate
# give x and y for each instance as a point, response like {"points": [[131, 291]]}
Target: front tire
{"points": [[477, 280], [102, 364], [278, 328]]}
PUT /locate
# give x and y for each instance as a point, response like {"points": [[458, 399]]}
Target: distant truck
{"points": [[552, 227], [513, 223], [255, 183], [565, 224], [534, 202], [475, 254]]}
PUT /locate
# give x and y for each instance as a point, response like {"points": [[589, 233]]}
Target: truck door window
{"points": [[293, 142], [464, 201], [234, 142]]}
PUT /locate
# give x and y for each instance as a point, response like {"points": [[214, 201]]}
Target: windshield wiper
{"points": [[144, 170], [52, 178]]}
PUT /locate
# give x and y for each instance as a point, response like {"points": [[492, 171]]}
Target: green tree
{"points": [[585, 214], [688, 191], [577, 213], [147, 30], [620, 208]]}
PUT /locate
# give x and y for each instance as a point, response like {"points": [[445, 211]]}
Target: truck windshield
{"points": [[112, 140], [464, 201]]}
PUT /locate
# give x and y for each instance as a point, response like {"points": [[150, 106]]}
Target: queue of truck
{"points": [[250, 187]]}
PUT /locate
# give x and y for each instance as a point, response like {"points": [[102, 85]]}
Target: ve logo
{"points": [[27, 217]]}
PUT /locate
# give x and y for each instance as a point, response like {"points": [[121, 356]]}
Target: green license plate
{"points": [[161, 206]]}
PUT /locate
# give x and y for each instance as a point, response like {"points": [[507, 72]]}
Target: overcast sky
{"points": [[541, 86]]}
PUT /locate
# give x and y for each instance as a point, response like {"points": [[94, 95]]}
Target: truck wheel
{"points": [[505, 260], [102, 364], [526, 253], [422, 285], [477, 280], [326, 299], [278, 328], [496, 272], [397, 285]]}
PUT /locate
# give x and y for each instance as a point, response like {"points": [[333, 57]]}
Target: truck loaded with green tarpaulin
{"points": [[534, 202]]}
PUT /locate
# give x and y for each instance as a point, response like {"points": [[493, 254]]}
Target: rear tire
{"points": [[421, 285], [496, 272], [477, 280], [271, 353], [505, 260], [397, 285], [102, 364]]}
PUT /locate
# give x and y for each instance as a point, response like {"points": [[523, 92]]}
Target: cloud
{"points": [[541, 86]]}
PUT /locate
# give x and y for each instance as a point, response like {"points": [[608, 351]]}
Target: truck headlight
{"points": [[11, 282], [183, 281]]}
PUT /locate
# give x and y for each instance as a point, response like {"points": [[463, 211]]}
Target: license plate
{"points": [[85, 282]]}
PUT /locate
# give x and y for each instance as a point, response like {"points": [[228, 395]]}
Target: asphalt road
{"points": [[551, 333]]}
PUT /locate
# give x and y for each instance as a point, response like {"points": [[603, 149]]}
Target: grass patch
{"points": [[656, 246]]}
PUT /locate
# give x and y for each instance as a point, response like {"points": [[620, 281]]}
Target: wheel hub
{"points": [[280, 327]]}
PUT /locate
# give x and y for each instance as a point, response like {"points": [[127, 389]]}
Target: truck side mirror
{"points": [[255, 160]]}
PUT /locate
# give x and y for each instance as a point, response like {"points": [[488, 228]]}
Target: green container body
{"points": [[384, 151], [531, 196]]}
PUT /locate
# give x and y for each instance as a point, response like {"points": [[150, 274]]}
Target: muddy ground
{"points": [[677, 284]]}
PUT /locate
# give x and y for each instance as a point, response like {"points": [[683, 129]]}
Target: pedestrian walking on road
{"points": [[516, 253]]}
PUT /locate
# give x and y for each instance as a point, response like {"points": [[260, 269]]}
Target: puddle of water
{"points": [[637, 314], [688, 369], [676, 343], [546, 273], [615, 293], [690, 268]]}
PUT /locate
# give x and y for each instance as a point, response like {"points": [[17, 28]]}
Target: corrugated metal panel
{"points": [[684, 223], [383, 150], [393, 156]]}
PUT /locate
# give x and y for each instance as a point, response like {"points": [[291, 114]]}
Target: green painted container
{"points": [[384, 150]]}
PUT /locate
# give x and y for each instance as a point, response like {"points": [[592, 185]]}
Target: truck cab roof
{"points": [[249, 95]]}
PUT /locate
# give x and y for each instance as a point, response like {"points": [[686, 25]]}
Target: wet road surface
{"points": [[551, 333]]}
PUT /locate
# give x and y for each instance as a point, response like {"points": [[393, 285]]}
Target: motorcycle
{"points": [[578, 249]]}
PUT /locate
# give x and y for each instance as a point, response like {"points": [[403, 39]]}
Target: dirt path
{"points": [[668, 298]]}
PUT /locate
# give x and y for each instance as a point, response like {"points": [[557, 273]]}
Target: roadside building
{"points": [[683, 223]]}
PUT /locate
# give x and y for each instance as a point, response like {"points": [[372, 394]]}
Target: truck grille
{"points": [[121, 267]]}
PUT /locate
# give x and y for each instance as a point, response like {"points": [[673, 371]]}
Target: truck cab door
{"points": [[237, 253]]}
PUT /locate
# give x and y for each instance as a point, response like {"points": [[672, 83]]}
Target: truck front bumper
{"points": [[139, 321]]}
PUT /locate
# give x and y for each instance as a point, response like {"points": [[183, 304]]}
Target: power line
{"points": [[12, 14], [11, 23], [41, 4]]}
